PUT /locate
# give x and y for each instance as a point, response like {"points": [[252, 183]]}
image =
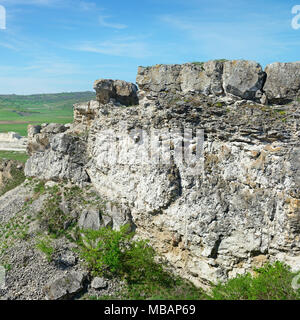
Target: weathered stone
{"points": [[158, 78], [64, 157], [240, 203], [122, 91], [205, 78], [85, 113], [65, 287], [283, 82], [67, 259], [243, 78], [99, 283], [90, 219]]}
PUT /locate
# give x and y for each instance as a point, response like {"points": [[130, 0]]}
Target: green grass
{"points": [[45, 246], [14, 155], [37, 109], [112, 254], [18, 177]]}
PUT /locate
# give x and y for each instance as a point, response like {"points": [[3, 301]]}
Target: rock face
{"points": [[56, 154], [244, 79], [240, 78], [122, 91], [211, 178], [283, 82]]}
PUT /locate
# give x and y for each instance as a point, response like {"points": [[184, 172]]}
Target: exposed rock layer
{"points": [[241, 208]]}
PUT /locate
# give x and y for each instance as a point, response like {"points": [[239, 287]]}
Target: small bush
{"points": [[113, 253], [272, 282]]}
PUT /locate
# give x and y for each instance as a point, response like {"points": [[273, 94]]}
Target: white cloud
{"points": [[87, 6], [31, 2], [116, 47], [104, 23]]}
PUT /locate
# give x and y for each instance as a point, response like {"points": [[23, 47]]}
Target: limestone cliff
{"points": [[240, 208]]}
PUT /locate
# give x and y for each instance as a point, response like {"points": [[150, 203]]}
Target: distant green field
{"points": [[17, 112], [14, 155]]}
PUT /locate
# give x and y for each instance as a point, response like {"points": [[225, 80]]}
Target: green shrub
{"points": [[103, 250], [44, 245], [109, 253], [271, 282]]}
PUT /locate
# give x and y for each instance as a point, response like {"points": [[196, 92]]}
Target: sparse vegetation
{"points": [[111, 253], [114, 254], [45, 246], [271, 282], [17, 178], [15, 228]]}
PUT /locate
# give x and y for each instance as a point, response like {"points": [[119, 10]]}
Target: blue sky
{"points": [[64, 45]]}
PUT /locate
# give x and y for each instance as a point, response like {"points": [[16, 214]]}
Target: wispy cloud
{"points": [[31, 2], [87, 6], [231, 38], [117, 47], [103, 22]]}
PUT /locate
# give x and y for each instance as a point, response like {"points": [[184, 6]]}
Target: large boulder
{"points": [[57, 157], [205, 78], [283, 82], [160, 77], [122, 91], [65, 287], [243, 78]]}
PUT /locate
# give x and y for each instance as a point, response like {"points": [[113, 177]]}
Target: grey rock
{"points": [[99, 283], [63, 158], [240, 204], [159, 78], [65, 287], [90, 219], [122, 91], [243, 78], [283, 82], [68, 259], [205, 78]]}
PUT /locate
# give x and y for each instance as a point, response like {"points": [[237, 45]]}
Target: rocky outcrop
{"points": [[283, 82], [56, 154], [244, 79], [240, 78], [123, 92], [210, 176], [278, 83]]}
